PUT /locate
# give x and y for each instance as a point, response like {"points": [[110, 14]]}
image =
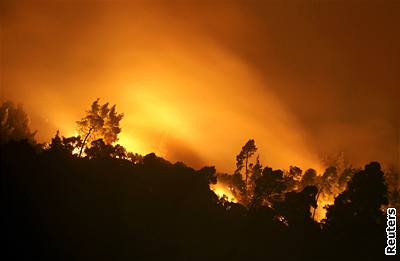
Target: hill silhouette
{"points": [[89, 199], [61, 207]]}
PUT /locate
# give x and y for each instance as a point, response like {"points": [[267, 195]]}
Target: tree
{"points": [[135, 158], [295, 172], [242, 159], [14, 123], [392, 177], [256, 169], [356, 221], [345, 177], [362, 200], [119, 152], [234, 182], [293, 177], [63, 145], [100, 150], [309, 178], [268, 187], [209, 174], [296, 205], [101, 121], [329, 180], [256, 172]]}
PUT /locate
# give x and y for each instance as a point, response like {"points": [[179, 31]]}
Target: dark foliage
{"points": [[357, 214], [14, 123], [57, 206]]}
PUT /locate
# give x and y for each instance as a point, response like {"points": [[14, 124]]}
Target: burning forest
{"points": [[89, 184], [199, 130]]}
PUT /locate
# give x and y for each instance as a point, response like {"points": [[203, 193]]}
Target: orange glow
{"points": [[131, 144], [223, 191], [178, 90], [76, 151], [324, 200]]}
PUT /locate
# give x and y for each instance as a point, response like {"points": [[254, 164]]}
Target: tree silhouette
{"points": [[365, 194], [100, 150], [135, 158], [292, 178], [63, 145], [268, 187], [234, 182], [392, 176], [154, 209], [242, 160], [329, 180], [356, 219], [295, 172], [309, 178], [209, 174], [14, 123], [101, 121], [61, 207], [256, 172], [345, 177], [296, 206]]}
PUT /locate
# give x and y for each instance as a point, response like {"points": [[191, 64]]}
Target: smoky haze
{"points": [[195, 80]]}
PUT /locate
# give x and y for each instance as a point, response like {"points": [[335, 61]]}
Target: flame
{"points": [[222, 190], [76, 151], [324, 200]]}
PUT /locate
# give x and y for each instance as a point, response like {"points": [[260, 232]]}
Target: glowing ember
{"points": [[76, 151], [222, 190]]}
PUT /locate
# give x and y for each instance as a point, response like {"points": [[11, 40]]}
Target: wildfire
{"points": [[76, 151], [222, 190], [324, 200]]}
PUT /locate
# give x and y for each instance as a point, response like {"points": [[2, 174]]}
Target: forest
{"points": [[86, 197]]}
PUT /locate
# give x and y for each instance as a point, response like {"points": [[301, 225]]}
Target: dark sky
{"points": [[196, 79]]}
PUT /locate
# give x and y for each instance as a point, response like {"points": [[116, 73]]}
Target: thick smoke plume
{"points": [[196, 81]]}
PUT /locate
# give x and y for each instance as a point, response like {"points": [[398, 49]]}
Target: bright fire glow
{"points": [[323, 201], [221, 190], [177, 94], [76, 151]]}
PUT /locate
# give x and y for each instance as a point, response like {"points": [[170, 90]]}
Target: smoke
{"points": [[196, 81]]}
